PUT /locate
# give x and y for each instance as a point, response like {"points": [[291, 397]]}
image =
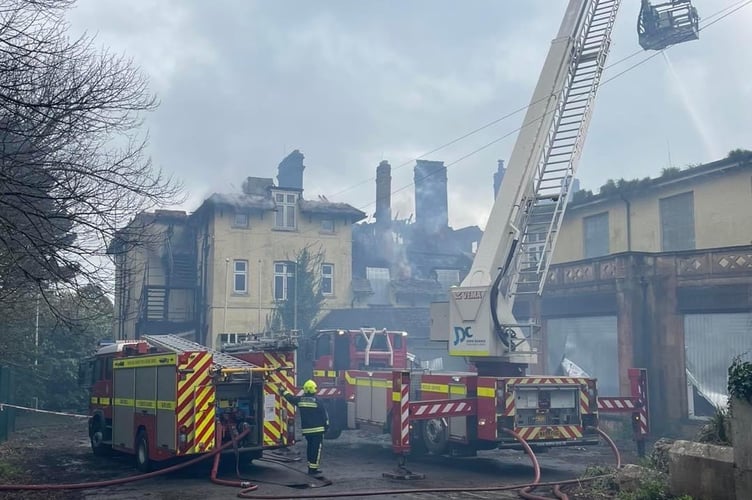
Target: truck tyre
{"points": [[143, 462], [435, 436]]}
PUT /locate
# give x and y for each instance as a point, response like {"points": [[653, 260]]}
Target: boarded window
{"points": [[677, 222], [595, 234]]}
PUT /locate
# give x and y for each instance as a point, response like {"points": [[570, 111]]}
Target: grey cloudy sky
{"points": [[242, 83]]}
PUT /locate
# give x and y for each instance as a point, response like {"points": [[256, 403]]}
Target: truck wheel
{"points": [[435, 436], [143, 462], [333, 432]]}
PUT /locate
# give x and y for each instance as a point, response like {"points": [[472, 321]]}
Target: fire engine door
{"points": [[457, 425], [341, 352]]}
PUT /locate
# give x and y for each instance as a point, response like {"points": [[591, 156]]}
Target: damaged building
{"points": [[217, 274], [400, 266]]}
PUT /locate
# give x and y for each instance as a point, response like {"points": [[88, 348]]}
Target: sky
{"points": [[243, 83]]}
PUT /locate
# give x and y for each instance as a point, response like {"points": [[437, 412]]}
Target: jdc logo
{"points": [[461, 334]]}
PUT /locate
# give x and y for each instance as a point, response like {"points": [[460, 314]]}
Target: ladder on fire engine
{"points": [[179, 345], [553, 177]]}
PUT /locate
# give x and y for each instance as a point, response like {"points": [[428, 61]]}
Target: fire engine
{"points": [[458, 413], [363, 373], [164, 397]]}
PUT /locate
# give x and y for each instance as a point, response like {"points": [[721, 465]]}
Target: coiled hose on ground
{"points": [[130, 479], [524, 489]]}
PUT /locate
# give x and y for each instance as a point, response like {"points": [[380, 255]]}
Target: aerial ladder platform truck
{"points": [[363, 375], [164, 397]]}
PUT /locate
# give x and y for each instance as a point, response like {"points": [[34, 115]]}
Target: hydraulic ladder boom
{"points": [[516, 248]]}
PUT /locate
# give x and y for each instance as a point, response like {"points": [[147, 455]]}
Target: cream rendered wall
{"points": [[722, 208], [261, 246]]}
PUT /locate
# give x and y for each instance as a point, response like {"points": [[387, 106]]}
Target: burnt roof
{"points": [[241, 201], [417, 287], [332, 208]]}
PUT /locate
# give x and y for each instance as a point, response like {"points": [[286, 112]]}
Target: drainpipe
{"points": [[629, 221]]}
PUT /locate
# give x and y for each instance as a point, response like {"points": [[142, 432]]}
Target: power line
{"points": [[735, 7]]}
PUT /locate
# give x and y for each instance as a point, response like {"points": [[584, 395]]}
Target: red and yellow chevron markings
{"points": [[549, 432], [195, 403], [275, 429]]}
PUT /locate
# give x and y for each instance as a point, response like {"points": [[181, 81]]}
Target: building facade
{"points": [[697, 208], [657, 274], [243, 250], [155, 275]]}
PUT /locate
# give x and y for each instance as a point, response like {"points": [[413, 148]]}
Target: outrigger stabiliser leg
{"points": [[402, 472]]}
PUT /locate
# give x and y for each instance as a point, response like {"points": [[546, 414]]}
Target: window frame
{"points": [[325, 230], [234, 224], [236, 274], [595, 217], [692, 241], [327, 277], [285, 216], [287, 275]]}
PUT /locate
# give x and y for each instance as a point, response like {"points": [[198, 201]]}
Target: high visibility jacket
{"points": [[313, 415]]}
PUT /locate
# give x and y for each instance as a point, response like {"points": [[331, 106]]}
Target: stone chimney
{"points": [[290, 171], [431, 212], [384, 194], [257, 186], [498, 177]]}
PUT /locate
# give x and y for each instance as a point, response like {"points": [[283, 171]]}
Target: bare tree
{"points": [[72, 162]]}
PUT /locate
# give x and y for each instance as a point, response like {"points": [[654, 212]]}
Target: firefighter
{"points": [[314, 421]]}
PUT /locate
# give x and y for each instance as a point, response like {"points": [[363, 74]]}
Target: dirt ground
{"points": [[51, 449]]}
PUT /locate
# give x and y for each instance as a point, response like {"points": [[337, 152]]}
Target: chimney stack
{"points": [[384, 194], [498, 177], [290, 171], [431, 212]]}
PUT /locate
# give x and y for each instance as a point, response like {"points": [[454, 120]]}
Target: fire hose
{"points": [[112, 482], [524, 489]]}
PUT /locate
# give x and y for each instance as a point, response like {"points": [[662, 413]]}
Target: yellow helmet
{"points": [[310, 387]]}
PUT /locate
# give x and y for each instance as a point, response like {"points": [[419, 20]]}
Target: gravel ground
{"points": [[49, 449]]}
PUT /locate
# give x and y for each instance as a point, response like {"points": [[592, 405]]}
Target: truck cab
{"points": [[365, 348]]}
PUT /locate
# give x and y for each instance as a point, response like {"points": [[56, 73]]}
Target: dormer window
{"points": [[285, 217]]}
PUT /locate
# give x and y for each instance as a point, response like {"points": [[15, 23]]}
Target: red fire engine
{"points": [[165, 397], [360, 374]]}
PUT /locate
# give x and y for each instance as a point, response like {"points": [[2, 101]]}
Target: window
{"points": [[285, 215], [240, 221], [240, 276], [327, 226], [327, 279], [284, 280], [595, 235], [323, 345], [677, 222]]}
